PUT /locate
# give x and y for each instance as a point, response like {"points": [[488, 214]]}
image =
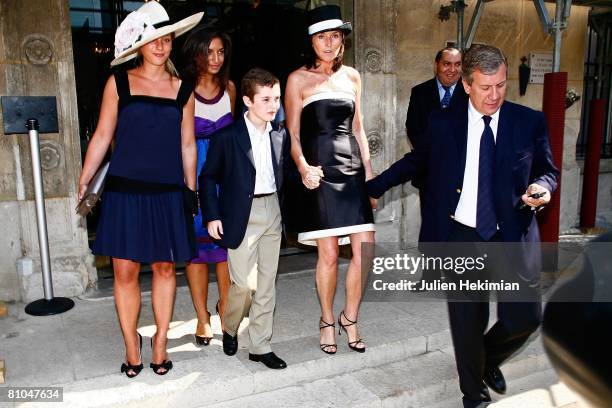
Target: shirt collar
{"points": [[251, 127], [441, 87], [475, 116]]}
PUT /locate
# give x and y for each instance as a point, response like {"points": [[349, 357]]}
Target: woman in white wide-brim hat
{"points": [[149, 199]]}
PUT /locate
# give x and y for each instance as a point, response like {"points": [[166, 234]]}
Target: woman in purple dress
{"points": [[207, 54]]}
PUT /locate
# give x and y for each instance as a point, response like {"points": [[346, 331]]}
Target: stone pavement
{"points": [[408, 363]]}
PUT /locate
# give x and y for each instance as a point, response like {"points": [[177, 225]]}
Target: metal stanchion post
{"points": [[50, 305]]}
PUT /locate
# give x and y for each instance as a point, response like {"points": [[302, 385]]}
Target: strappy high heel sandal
{"points": [[165, 365], [203, 340], [325, 347], [352, 344], [131, 370]]}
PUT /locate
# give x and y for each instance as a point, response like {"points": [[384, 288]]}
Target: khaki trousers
{"points": [[252, 268]]}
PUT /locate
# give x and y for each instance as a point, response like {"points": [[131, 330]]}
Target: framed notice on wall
{"points": [[540, 64]]}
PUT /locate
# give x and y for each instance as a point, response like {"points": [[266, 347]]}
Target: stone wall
{"points": [[36, 59], [408, 39]]}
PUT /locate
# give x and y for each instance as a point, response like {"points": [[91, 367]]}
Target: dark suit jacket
{"points": [[230, 165], [523, 157], [424, 99]]}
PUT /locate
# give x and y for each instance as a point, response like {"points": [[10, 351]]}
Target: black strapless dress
{"points": [[340, 205]]}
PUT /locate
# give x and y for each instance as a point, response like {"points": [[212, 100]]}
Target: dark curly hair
{"points": [[197, 45]]}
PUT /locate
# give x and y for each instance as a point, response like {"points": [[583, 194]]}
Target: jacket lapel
{"points": [[244, 141], [276, 144], [435, 94], [461, 134], [503, 141]]}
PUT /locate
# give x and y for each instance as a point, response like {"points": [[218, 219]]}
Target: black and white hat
{"points": [[327, 18]]}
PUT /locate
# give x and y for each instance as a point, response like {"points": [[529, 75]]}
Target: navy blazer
{"points": [[230, 165], [523, 157], [425, 99]]}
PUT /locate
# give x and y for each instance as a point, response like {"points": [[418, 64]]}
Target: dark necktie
{"points": [[446, 98], [486, 220]]}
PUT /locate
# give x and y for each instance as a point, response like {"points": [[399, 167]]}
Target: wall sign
{"points": [[540, 63]]}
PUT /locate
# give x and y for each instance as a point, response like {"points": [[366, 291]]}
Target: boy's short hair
{"points": [[256, 77]]}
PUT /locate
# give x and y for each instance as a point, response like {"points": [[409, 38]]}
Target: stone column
{"points": [[36, 59], [375, 58]]}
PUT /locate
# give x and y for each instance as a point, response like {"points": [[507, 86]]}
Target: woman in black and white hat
{"points": [[330, 149], [149, 197]]}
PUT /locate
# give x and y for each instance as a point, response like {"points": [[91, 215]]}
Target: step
{"points": [[538, 390], [204, 375], [425, 380]]}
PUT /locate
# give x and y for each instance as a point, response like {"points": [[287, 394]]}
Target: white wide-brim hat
{"points": [[144, 25]]}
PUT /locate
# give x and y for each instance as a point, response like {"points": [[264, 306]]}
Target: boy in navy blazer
{"points": [[246, 161]]}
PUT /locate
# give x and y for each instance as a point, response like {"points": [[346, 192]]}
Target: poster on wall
{"points": [[540, 63]]}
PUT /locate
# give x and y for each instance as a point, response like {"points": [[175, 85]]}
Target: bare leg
{"points": [[223, 284], [127, 302], [197, 275], [326, 278], [162, 294], [353, 285]]}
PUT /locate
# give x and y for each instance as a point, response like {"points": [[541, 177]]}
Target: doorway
{"points": [[270, 34]]}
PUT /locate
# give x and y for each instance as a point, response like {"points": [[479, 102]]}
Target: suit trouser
{"points": [[469, 316], [252, 268]]}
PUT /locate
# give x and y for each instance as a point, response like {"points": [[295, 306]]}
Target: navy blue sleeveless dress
{"points": [[143, 216]]}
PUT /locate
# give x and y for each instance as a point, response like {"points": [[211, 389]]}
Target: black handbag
{"points": [[93, 192]]}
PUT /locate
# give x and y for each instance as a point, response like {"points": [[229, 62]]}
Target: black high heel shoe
{"points": [[325, 347], [165, 365], [203, 340], [135, 369], [352, 344]]}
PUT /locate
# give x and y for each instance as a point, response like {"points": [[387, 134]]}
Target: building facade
{"points": [[393, 45]]}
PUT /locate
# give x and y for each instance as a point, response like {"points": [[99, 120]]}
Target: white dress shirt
{"points": [[465, 213], [262, 156]]}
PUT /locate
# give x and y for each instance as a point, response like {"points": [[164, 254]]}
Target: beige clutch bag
{"points": [[93, 192]]}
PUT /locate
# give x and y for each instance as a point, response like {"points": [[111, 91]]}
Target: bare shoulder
{"points": [[299, 75], [111, 86], [231, 86]]}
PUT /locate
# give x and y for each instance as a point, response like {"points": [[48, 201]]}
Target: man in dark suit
{"points": [[489, 166], [246, 160], [441, 92]]}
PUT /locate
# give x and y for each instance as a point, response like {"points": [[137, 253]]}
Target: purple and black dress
{"points": [[210, 116]]}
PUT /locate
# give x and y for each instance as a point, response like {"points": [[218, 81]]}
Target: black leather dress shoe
{"points": [[494, 378], [269, 359], [230, 344]]}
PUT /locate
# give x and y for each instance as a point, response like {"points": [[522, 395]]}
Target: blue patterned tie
{"points": [[486, 220], [446, 98]]}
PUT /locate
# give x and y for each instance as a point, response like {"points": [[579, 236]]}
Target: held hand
{"points": [[535, 196], [82, 189], [311, 176], [374, 203], [215, 229]]}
